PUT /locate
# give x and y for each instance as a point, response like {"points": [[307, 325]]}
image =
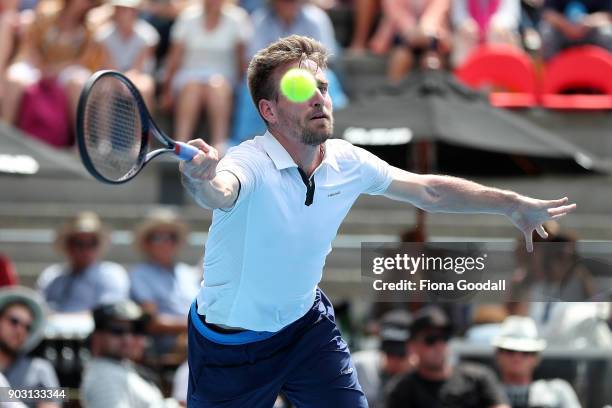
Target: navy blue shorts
{"points": [[307, 361]]}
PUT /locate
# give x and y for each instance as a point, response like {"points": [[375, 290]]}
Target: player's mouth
{"points": [[319, 116]]}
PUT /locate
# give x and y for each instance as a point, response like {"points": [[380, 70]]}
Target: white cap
{"points": [[519, 333], [125, 3]]}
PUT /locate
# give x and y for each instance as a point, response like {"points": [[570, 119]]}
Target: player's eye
{"points": [[323, 88]]}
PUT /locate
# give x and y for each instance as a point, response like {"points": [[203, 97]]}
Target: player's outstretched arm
{"points": [[455, 195], [199, 176]]}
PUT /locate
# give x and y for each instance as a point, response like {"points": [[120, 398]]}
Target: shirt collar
{"points": [[283, 160]]}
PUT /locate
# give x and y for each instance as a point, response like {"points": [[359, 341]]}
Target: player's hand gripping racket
{"points": [[114, 127]]}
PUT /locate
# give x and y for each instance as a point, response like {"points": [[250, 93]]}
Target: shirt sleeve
{"points": [[375, 172], [140, 290], [45, 374], [508, 14], [243, 162], [114, 285], [179, 30], [149, 35]]}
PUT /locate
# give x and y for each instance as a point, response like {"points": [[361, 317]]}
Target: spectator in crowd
{"points": [[162, 14], [161, 285], [418, 31], [110, 379], [376, 367], [59, 50], [479, 22], [278, 19], [205, 62], [11, 24], [435, 382], [130, 45], [8, 276], [518, 349], [83, 281], [21, 328], [567, 23], [565, 278]]}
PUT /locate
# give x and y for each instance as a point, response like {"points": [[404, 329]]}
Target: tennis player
{"points": [[260, 325]]}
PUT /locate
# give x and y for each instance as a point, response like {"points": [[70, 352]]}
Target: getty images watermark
{"points": [[486, 271], [407, 264]]}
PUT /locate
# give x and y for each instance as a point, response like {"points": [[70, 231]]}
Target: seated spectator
{"points": [[435, 382], [21, 327], [517, 354], [205, 62], [83, 281], [278, 19], [58, 52], [110, 379], [162, 14], [567, 23], [11, 24], [418, 32], [130, 44], [163, 286], [8, 276], [479, 22], [376, 367]]}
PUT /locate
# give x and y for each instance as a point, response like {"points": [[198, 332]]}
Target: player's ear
{"points": [[267, 110]]}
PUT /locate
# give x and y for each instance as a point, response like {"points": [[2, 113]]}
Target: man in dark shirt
{"points": [[568, 23], [435, 383]]}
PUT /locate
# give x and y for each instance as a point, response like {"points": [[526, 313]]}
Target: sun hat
{"points": [[34, 302], [519, 333]]}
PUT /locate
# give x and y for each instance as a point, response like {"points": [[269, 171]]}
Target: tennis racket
{"points": [[114, 128]]}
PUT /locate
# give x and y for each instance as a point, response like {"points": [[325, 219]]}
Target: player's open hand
{"points": [[204, 165], [530, 214]]}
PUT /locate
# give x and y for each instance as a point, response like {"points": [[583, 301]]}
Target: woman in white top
{"points": [[204, 64]]}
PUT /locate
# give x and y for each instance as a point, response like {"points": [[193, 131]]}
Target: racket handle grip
{"points": [[184, 151]]}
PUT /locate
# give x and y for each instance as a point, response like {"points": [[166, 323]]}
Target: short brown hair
{"points": [[284, 51]]}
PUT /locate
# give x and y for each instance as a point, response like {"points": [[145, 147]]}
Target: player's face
{"points": [[310, 122]]}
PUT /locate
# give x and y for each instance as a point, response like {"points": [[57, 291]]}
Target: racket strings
{"points": [[113, 129]]}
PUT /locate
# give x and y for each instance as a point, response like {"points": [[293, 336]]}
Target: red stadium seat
{"points": [[508, 71], [586, 67]]}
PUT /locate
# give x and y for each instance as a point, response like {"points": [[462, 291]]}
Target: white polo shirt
{"points": [[264, 257]]}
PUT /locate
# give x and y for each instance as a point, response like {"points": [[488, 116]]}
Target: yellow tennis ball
{"points": [[298, 85]]}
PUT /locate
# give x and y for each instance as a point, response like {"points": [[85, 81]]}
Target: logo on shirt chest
{"points": [[335, 193]]}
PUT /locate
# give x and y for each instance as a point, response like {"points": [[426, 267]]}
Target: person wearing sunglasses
{"points": [[436, 382], [21, 325], [83, 281], [162, 285], [518, 349], [111, 379]]}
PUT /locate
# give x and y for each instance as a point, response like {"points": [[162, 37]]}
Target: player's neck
{"points": [[307, 157]]}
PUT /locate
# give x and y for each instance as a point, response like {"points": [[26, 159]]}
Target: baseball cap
{"points": [[431, 317], [394, 332], [104, 315]]}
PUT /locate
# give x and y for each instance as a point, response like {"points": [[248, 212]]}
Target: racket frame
{"points": [[149, 127]]}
